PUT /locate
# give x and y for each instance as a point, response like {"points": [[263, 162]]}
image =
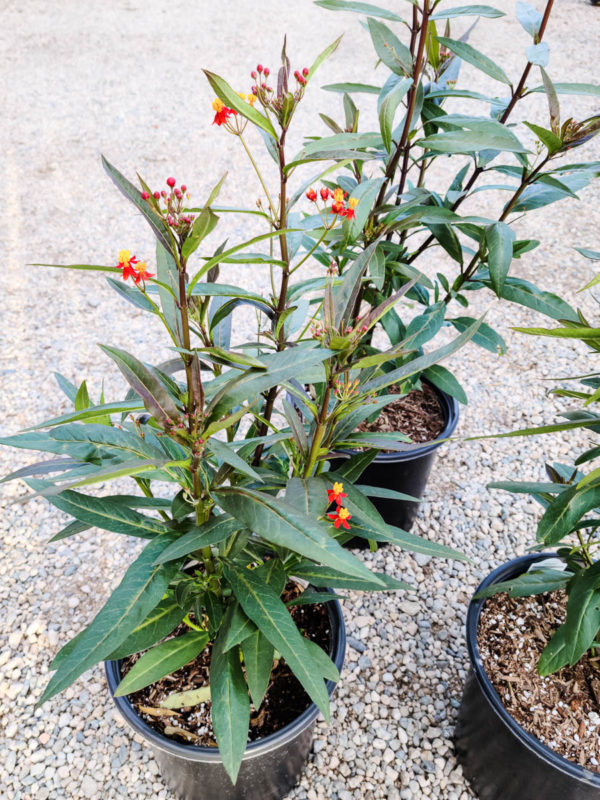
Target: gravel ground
{"points": [[123, 78]]}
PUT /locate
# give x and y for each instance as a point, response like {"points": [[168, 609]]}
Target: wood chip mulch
{"points": [[562, 710], [417, 414]]}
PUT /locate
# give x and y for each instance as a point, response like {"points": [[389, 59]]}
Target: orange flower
{"points": [[340, 517], [336, 494], [223, 113], [142, 273], [312, 195], [352, 203], [126, 263]]}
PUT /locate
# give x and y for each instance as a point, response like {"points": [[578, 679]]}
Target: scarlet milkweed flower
{"points": [[352, 203], [142, 273], [340, 517], [126, 263], [338, 196], [324, 194], [312, 195], [223, 113], [336, 494], [338, 208]]}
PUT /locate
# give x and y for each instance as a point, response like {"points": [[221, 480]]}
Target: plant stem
{"points": [[516, 96], [285, 277], [319, 432], [259, 175]]}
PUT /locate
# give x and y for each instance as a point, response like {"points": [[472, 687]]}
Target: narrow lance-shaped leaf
{"points": [[270, 615], [474, 57], [132, 193], [134, 598], [499, 238], [230, 705], [155, 397], [161, 660]]}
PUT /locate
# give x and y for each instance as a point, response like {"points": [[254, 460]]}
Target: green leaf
{"points": [[395, 55], [591, 89], [226, 454], [322, 57], [239, 627], [577, 332], [258, 655], [90, 267], [307, 495], [550, 140], [565, 511], [467, 11], [141, 588], [159, 623], [517, 290], [536, 581], [344, 296], [90, 414], [576, 635], [445, 380], [489, 136], [330, 578], [264, 607], [538, 54], [349, 88], [154, 395], [320, 658], [168, 274], [359, 8], [132, 193], [475, 58], [204, 224], [82, 398], [593, 255], [105, 513], [131, 294], [289, 528], [232, 100], [499, 238], [388, 109], [417, 365], [530, 18], [161, 660], [408, 541], [352, 468], [230, 705], [216, 530]]}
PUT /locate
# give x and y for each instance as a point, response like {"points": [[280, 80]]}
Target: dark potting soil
{"points": [[562, 710], [417, 414], [284, 700]]}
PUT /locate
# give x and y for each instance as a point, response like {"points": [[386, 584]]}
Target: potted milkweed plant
{"points": [[531, 705], [224, 639], [393, 172]]}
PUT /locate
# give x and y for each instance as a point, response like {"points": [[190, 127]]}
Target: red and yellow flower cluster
{"points": [[341, 515], [222, 113], [338, 196], [132, 268]]}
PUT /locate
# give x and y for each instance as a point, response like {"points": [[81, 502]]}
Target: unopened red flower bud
{"points": [[267, 72], [178, 194], [301, 81], [312, 195], [255, 90], [145, 196], [263, 86], [163, 193], [259, 67], [171, 182], [297, 75], [157, 195], [253, 74], [305, 72], [183, 187]]}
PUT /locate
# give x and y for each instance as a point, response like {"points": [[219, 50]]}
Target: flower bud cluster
{"points": [[339, 206], [170, 206]]}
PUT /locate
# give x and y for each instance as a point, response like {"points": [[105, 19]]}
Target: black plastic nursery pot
{"points": [[405, 470], [270, 767], [500, 759]]}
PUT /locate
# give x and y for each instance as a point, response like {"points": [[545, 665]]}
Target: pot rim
{"points": [[196, 753], [450, 409], [551, 757]]}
